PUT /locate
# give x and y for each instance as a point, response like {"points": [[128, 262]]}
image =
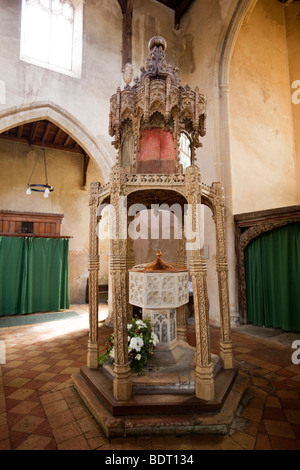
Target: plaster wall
{"points": [[68, 198], [86, 98], [292, 25], [202, 32], [262, 139]]}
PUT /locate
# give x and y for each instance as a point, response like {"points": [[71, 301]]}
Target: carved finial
{"points": [[159, 265], [156, 66], [157, 41]]}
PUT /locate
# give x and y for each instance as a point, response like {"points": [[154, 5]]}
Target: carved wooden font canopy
{"points": [[156, 100]]}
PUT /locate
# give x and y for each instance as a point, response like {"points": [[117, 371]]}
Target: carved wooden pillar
{"points": [[180, 312], [130, 260], [222, 271], [122, 385], [204, 382], [93, 266]]}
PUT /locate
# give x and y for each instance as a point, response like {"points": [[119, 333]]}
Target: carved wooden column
{"points": [[181, 323], [122, 385], [222, 271], [130, 260], [204, 382], [93, 266], [180, 311]]}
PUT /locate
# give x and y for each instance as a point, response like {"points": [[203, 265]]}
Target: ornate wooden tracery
{"points": [[158, 101]]}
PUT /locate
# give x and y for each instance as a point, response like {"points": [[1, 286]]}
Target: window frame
{"points": [[187, 138], [76, 59]]}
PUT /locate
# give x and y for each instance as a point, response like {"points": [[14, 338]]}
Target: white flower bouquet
{"points": [[141, 345]]}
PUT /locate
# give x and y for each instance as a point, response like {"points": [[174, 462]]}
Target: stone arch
{"points": [[241, 10], [47, 110], [239, 13]]}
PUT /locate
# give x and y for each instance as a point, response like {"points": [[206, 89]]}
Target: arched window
{"points": [[185, 154], [52, 34]]}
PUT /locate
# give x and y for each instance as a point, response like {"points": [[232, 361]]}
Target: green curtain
{"points": [[272, 265], [13, 268], [33, 275]]}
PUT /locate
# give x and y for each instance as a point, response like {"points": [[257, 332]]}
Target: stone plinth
{"points": [[150, 414], [167, 350]]}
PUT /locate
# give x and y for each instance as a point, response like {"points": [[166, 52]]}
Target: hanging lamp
{"points": [[40, 188]]}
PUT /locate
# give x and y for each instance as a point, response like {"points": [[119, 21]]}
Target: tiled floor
{"points": [[40, 410]]}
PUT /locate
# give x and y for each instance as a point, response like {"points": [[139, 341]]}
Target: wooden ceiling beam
{"points": [[76, 146], [33, 132], [181, 8], [20, 130], [39, 143], [47, 131], [67, 141], [57, 135], [168, 3], [126, 8], [122, 4]]}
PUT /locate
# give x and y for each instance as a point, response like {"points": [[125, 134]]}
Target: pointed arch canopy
{"points": [[23, 114]]}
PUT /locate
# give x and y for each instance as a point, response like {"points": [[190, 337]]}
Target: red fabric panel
{"points": [[156, 144]]}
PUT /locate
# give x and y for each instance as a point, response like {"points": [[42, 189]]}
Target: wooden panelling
{"points": [[18, 226], [43, 224]]}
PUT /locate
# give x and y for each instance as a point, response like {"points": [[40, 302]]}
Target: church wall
{"points": [[201, 30], [292, 24], [150, 19], [262, 139], [87, 101], [86, 98], [68, 198]]}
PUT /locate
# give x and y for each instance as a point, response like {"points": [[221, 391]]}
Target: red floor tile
{"points": [[274, 413], [282, 443], [262, 442]]}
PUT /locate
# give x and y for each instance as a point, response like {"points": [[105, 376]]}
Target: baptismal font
{"points": [[148, 120]]}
